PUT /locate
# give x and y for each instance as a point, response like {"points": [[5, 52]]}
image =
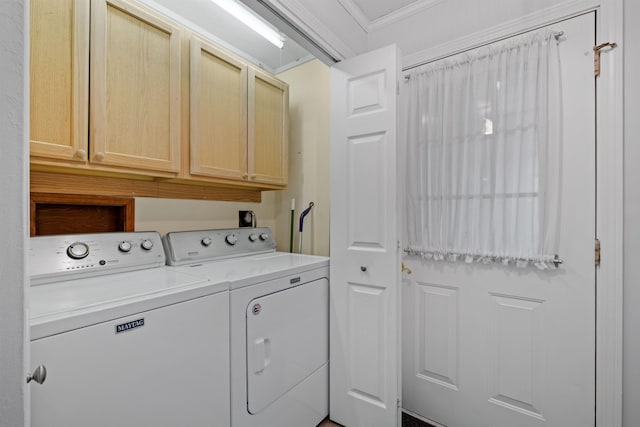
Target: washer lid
{"points": [[61, 306]]}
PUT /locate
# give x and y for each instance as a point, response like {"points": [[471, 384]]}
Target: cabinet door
{"points": [[268, 128], [59, 79], [135, 88], [218, 113]]}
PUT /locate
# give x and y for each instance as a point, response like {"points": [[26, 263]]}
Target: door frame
{"points": [[609, 220], [609, 178], [14, 163]]}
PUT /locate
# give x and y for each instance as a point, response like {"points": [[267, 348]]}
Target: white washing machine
{"points": [[279, 322], [126, 340]]}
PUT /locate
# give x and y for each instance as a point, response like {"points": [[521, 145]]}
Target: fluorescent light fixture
{"points": [[251, 21]]}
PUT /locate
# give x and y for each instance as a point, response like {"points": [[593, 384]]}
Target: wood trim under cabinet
{"points": [[54, 182]]}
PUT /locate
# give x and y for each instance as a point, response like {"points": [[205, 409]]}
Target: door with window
{"points": [[488, 344]]}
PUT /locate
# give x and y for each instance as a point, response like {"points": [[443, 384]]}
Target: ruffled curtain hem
{"points": [[541, 262]]}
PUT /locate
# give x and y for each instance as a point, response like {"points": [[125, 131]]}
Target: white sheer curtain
{"points": [[483, 155]]}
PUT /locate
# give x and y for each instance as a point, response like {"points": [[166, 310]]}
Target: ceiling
{"points": [[209, 20], [376, 9]]}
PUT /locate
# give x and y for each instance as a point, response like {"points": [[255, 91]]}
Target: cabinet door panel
{"points": [[135, 82], [218, 113], [59, 79], [268, 128]]}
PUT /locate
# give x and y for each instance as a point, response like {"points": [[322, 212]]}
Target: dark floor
{"points": [[407, 421], [328, 423]]}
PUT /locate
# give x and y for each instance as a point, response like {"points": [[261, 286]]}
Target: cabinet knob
{"points": [[81, 154], [39, 375], [363, 268], [99, 156]]}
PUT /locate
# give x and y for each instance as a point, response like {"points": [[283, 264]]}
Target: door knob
{"points": [[363, 268], [405, 268], [39, 375]]}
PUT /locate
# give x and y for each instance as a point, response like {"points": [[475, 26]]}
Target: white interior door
{"points": [[485, 345], [364, 289]]}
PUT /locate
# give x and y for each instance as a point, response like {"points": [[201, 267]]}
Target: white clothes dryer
{"points": [[122, 339], [279, 310]]}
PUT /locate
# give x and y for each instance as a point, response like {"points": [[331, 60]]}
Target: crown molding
{"points": [[397, 15], [300, 17]]}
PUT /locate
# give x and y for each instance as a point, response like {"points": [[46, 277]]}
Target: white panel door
{"points": [[494, 346], [364, 319]]}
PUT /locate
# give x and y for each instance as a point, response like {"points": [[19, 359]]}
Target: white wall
{"points": [[308, 159], [164, 215], [631, 375], [14, 125]]}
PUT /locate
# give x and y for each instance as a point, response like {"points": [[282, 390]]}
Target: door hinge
{"points": [[596, 55], [596, 251], [397, 87], [398, 403]]}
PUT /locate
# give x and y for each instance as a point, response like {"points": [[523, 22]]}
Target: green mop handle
{"points": [[293, 211]]}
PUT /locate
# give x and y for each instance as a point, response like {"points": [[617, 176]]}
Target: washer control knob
{"points": [[264, 236], [231, 239], [253, 237], [206, 241], [147, 244], [78, 250], [124, 246]]}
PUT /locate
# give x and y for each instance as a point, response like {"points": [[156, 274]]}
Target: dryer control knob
{"points": [[124, 246], [253, 237], [264, 236], [231, 239], [78, 250], [147, 244], [206, 241]]}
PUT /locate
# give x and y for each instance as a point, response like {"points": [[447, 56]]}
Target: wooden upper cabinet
{"points": [[135, 88], [59, 79], [268, 128], [218, 113], [107, 95]]}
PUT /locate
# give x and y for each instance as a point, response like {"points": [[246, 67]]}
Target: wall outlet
{"points": [[246, 218]]}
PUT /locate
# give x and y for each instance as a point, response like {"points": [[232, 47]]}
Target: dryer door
{"points": [[287, 340]]}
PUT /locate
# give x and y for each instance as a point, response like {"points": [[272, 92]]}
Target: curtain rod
{"points": [[556, 35]]}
